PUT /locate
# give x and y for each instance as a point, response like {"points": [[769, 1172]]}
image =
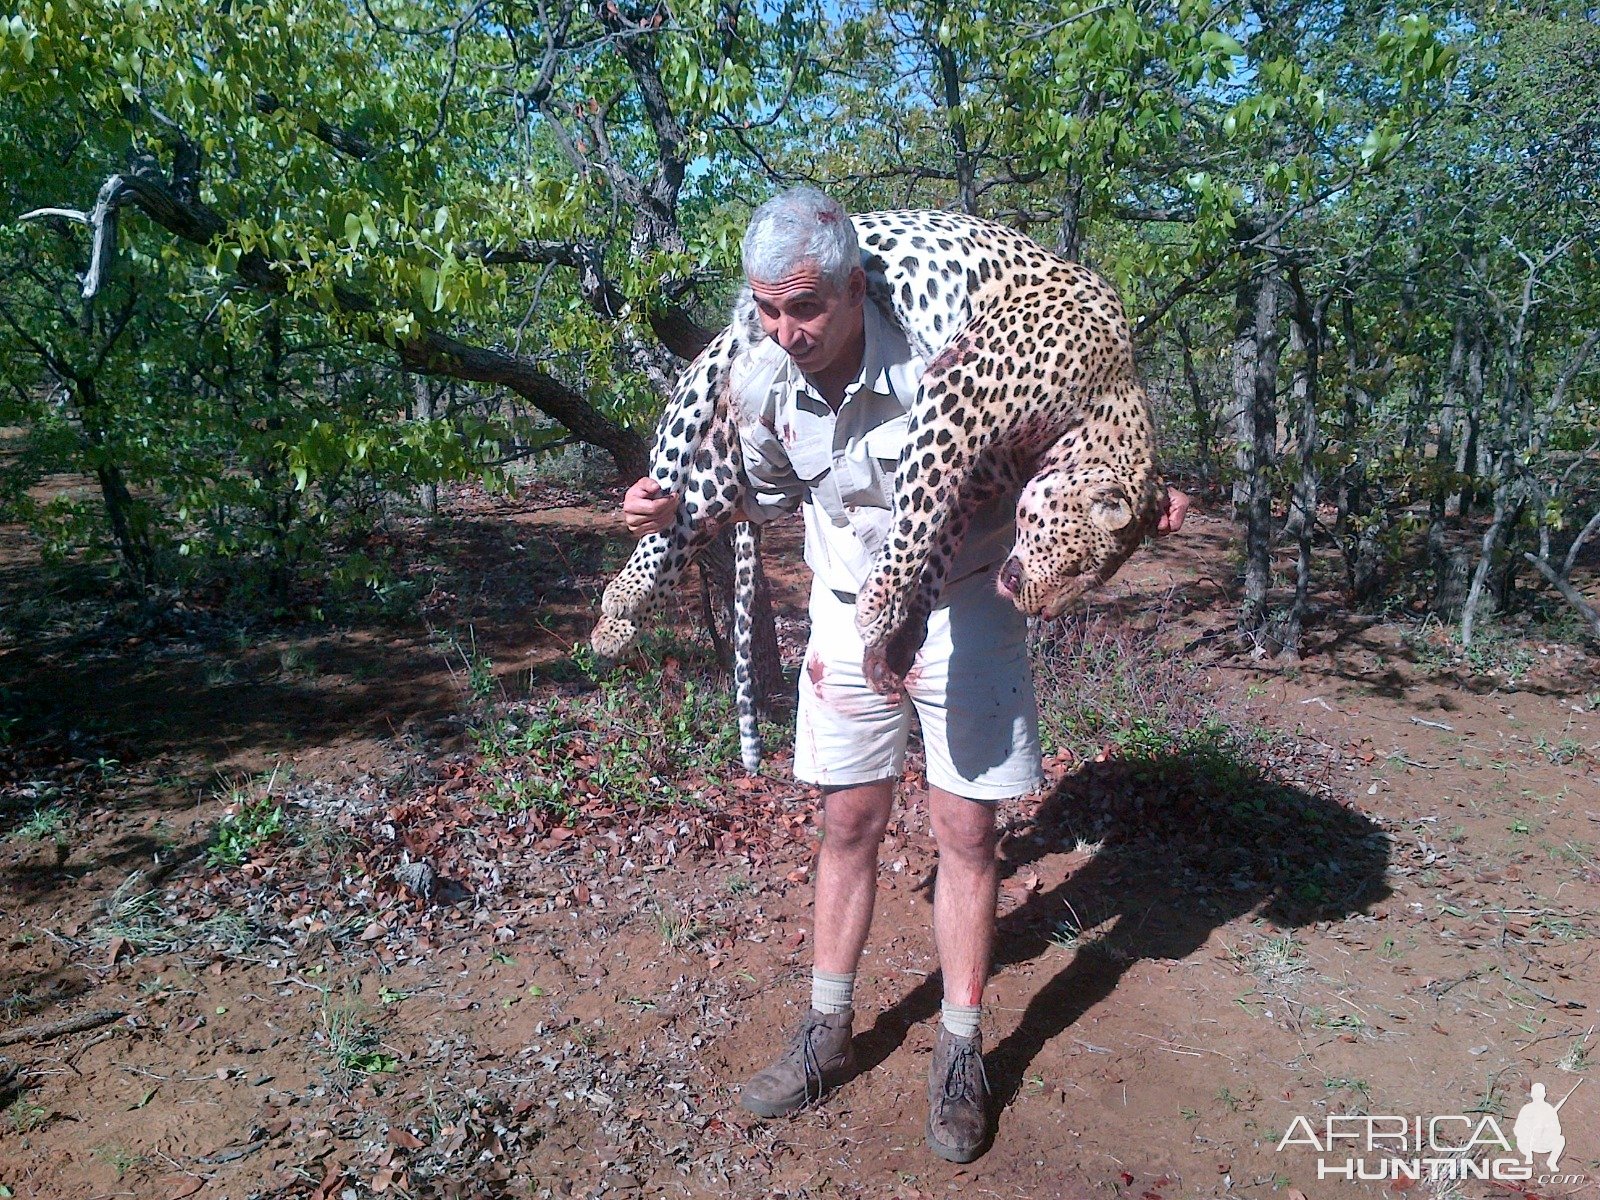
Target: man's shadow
{"points": [[1188, 841]]}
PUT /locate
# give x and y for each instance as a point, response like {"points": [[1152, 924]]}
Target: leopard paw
{"points": [[613, 636], [880, 610], [887, 664]]}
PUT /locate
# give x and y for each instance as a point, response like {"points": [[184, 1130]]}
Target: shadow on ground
{"points": [[1188, 842]]}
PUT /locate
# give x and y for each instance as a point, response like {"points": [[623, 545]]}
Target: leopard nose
{"points": [[1011, 576]]}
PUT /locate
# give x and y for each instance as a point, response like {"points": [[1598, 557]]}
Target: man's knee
{"points": [[854, 818], [963, 828]]}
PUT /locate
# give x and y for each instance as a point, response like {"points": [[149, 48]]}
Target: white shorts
{"points": [[970, 685]]}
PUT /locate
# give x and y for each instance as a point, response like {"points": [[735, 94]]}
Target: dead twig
{"points": [[1433, 724], [1438, 988], [49, 1030]]}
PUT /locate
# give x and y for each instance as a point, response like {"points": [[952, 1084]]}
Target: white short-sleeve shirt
{"points": [[839, 466]]}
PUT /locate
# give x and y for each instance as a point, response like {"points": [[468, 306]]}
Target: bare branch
{"points": [[1568, 593], [71, 214], [1584, 534], [1574, 367]]}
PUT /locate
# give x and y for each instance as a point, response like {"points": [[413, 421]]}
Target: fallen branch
{"points": [[49, 1030]]}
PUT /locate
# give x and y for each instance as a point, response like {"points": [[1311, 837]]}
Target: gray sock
{"points": [[961, 1019], [832, 992]]}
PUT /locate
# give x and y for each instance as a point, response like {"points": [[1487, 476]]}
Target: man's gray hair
{"points": [[798, 226]]}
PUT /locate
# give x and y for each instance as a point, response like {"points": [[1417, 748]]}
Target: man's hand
{"points": [[647, 509], [1172, 516]]}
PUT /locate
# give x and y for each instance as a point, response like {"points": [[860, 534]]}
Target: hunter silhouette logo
{"points": [[1538, 1127], [1445, 1147]]}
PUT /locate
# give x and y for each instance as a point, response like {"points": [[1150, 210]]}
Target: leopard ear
{"points": [[1110, 507]]}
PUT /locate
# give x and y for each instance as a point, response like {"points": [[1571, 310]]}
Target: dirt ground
{"points": [[423, 909]]}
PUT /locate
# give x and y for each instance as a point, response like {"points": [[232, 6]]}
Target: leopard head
{"points": [[1074, 529]]}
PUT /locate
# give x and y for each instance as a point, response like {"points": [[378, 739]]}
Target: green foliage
{"points": [[351, 1038], [252, 823], [45, 823], [534, 182], [634, 739], [360, 162]]}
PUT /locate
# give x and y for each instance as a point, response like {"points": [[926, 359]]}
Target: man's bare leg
{"points": [[963, 928], [966, 892], [821, 1053], [853, 821]]}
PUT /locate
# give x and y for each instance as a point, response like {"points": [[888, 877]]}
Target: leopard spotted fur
{"points": [[1029, 388]]}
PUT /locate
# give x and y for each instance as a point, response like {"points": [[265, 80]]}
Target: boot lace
{"points": [[965, 1079], [803, 1049]]}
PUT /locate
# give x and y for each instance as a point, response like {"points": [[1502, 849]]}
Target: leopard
{"points": [[1029, 389]]}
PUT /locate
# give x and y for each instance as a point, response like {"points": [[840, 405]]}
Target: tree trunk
{"points": [[1486, 555], [130, 526], [1507, 490], [281, 498], [1470, 463], [1352, 476], [1204, 417], [1070, 239], [1259, 408], [422, 410], [1306, 338], [1448, 567], [1240, 411], [965, 167]]}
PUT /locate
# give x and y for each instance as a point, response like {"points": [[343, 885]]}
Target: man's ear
{"points": [[856, 289], [1110, 506]]}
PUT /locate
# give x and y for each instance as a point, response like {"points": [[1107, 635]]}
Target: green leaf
{"points": [[1221, 43]]}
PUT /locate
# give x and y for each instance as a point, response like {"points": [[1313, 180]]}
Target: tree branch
{"points": [[1584, 534], [671, 323], [340, 139], [429, 353], [1568, 593]]}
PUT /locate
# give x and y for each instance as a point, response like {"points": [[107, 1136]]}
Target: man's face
{"points": [[816, 323]]}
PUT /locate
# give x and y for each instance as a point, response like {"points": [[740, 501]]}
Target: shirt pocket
{"points": [[865, 468], [811, 458]]}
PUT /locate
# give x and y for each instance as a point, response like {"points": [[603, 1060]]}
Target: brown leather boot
{"points": [[820, 1055], [958, 1098]]}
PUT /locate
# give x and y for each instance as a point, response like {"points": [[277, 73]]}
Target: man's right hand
{"points": [[647, 509]]}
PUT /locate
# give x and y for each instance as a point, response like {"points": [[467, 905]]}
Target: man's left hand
{"points": [[1172, 516]]}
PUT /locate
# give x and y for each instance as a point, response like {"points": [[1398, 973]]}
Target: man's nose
{"points": [[789, 333]]}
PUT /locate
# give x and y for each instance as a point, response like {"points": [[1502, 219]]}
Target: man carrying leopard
{"points": [[822, 407]]}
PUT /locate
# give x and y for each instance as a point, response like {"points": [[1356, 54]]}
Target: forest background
{"points": [[332, 863], [273, 269]]}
